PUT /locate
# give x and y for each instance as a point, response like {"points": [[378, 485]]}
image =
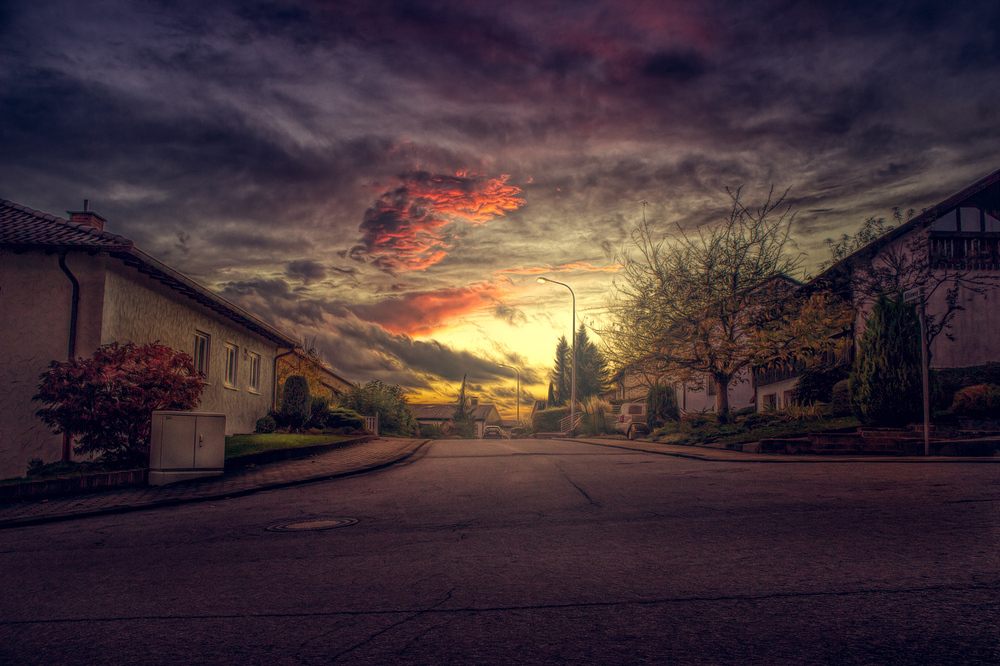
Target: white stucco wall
{"points": [[35, 298], [778, 389], [973, 327], [693, 401], [139, 310], [116, 304]]}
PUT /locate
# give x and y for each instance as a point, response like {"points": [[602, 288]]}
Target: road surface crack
{"points": [[578, 488]]}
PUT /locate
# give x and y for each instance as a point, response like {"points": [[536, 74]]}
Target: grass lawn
{"points": [[731, 435], [241, 445]]}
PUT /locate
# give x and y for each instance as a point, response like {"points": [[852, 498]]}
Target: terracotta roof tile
{"points": [[20, 225], [23, 228]]}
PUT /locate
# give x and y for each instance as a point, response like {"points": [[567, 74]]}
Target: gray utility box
{"points": [[186, 445]]}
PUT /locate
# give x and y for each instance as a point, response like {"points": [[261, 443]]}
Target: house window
{"points": [[202, 346], [712, 387], [254, 384], [770, 400], [232, 354]]}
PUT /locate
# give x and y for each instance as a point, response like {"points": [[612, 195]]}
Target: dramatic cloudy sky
{"points": [[385, 180]]}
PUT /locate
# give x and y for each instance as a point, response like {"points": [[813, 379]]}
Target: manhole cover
{"points": [[313, 525]]}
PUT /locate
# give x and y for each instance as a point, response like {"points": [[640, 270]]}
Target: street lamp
{"points": [[510, 367], [572, 391]]}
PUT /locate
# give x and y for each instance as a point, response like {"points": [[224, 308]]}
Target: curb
{"points": [[97, 481], [128, 508], [788, 459]]}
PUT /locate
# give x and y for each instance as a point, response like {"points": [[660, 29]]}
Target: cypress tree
{"points": [[296, 402], [562, 373], [591, 367], [462, 417], [885, 383]]}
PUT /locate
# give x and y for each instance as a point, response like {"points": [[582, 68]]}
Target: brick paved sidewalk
{"points": [[344, 461]]}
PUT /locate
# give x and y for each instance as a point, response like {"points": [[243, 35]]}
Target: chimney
{"points": [[473, 401], [86, 216]]}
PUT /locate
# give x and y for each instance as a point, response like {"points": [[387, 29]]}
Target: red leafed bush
{"points": [[106, 401], [979, 402]]}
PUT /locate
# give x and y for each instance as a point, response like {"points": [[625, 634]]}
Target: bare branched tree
{"points": [[714, 303]]}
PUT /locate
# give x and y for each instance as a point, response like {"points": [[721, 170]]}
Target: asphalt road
{"points": [[530, 552]]}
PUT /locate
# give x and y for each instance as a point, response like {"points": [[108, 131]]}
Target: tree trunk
{"points": [[722, 398]]}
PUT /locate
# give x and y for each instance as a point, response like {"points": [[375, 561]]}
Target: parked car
{"points": [[494, 432], [633, 421]]}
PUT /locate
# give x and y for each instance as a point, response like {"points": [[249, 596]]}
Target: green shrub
{"points": [[816, 384], [978, 402], [698, 420], [946, 382], [547, 420], [661, 404], [840, 398], [522, 429], [265, 424], [757, 419], [319, 413], [295, 402], [394, 416], [345, 419], [431, 430], [885, 383]]}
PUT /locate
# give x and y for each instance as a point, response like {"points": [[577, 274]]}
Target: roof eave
{"points": [[925, 218]]}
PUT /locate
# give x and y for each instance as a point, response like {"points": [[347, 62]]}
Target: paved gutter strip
{"points": [[341, 462]]}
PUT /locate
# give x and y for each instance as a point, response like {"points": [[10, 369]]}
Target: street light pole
{"points": [[572, 391], [918, 296], [518, 401]]}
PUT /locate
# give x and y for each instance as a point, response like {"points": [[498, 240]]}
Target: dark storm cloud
{"points": [[354, 347], [678, 66], [509, 314], [250, 144], [305, 270]]}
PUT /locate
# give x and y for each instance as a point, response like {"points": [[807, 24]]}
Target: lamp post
{"points": [[510, 367], [572, 390]]}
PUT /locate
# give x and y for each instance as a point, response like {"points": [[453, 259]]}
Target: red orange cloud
{"points": [[424, 312], [407, 228]]}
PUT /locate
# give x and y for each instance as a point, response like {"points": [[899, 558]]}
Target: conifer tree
{"points": [[885, 383], [462, 417], [562, 373], [592, 376]]}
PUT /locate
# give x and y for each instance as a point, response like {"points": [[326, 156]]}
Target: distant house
{"points": [[323, 381], [692, 398], [960, 234], [69, 286], [441, 414]]}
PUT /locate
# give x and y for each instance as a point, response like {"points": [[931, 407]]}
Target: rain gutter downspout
{"points": [[274, 379], [74, 313]]}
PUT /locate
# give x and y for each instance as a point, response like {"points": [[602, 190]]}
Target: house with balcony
{"points": [[952, 253]]}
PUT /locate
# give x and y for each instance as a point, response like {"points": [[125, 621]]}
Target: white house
{"points": [[959, 235], [69, 286]]}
